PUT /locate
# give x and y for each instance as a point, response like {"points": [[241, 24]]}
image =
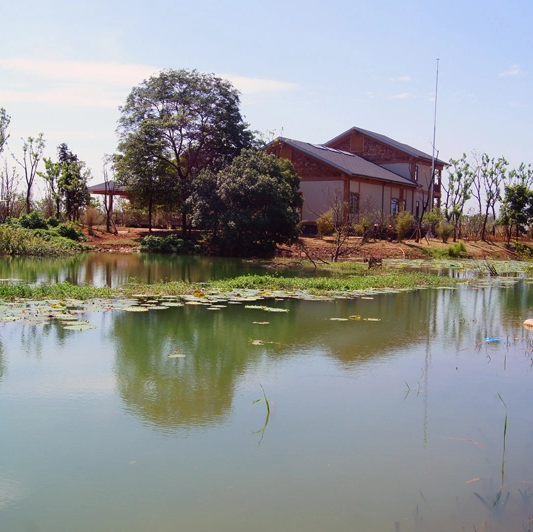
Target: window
{"points": [[437, 177], [354, 206], [417, 210], [416, 173], [397, 205]]}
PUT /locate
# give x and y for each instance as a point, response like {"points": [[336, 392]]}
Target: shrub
{"points": [[445, 231], [53, 221], [324, 224], [404, 223], [32, 221], [167, 244], [457, 250], [71, 231]]}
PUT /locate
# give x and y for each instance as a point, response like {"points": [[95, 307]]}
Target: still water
{"points": [[418, 422]]}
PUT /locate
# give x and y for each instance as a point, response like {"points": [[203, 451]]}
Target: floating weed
{"points": [[338, 319], [267, 402], [372, 319], [261, 322]]}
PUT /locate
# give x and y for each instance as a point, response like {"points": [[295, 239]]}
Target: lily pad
{"points": [[80, 327], [135, 309]]}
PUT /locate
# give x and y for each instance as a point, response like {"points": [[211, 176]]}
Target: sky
{"points": [[307, 70]]}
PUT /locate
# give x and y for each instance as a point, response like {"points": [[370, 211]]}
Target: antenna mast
{"points": [[433, 157]]}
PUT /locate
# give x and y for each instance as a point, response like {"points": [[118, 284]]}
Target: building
{"points": [[365, 170]]}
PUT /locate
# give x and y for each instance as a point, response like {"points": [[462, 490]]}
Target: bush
{"points": [[445, 231], [19, 241], [32, 221], [325, 225], [53, 221], [167, 244], [71, 231], [404, 223], [457, 250]]}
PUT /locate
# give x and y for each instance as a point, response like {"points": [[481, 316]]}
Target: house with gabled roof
{"points": [[360, 167]]}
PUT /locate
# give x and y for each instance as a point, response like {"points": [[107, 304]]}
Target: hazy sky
{"points": [[308, 70]]}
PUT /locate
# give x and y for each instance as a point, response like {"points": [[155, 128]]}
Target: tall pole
{"points": [[433, 157]]}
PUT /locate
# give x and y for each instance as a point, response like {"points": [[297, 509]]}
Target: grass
{"points": [[315, 286]]}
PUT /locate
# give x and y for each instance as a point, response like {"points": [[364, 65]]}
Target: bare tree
{"points": [[9, 182], [32, 150]]}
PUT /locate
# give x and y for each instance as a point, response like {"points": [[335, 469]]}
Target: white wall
{"points": [[319, 197]]}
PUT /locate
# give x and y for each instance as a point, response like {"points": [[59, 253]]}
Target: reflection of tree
{"points": [[178, 392]]}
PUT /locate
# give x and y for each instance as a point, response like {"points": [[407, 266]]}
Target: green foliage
{"points": [[32, 221], [47, 228], [444, 231], [19, 241], [167, 244], [250, 206], [523, 250], [70, 230], [517, 208], [404, 223], [457, 250], [432, 219], [4, 124], [324, 224], [181, 122]]}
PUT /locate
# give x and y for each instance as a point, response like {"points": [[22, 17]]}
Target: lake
{"points": [[391, 412]]}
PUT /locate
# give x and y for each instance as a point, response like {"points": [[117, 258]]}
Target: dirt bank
{"points": [[128, 239]]}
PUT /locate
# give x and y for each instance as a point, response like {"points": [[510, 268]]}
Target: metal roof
{"points": [[108, 188], [390, 142], [348, 163]]}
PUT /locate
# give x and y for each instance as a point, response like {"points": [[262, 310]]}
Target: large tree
{"points": [[188, 120], [249, 206]]}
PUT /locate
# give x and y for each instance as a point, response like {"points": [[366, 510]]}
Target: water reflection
{"points": [[116, 269], [198, 389]]}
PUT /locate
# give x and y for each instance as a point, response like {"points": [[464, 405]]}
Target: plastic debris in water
{"points": [[492, 339]]}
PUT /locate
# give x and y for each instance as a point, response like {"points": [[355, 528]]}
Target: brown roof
{"points": [[348, 163]]}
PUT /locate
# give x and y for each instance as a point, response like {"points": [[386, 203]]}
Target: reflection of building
{"points": [[361, 168]]}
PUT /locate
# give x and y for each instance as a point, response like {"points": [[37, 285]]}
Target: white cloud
{"points": [[402, 96], [77, 96], [259, 85], [401, 78], [513, 70], [91, 84], [82, 71]]}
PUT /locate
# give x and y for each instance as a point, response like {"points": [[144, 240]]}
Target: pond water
{"points": [[420, 421]]}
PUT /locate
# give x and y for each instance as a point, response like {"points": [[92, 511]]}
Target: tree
{"points": [[251, 205], [51, 177], [187, 120], [460, 180], [73, 182], [148, 178], [517, 209], [4, 124], [32, 150], [9, 181]]}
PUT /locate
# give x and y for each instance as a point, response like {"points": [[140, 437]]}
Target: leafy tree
{"points": [[517, 208], [66, 180], [73, 182], [148, 178], [251, 205], [4, 124], [51, 177], [460, 180], [32, 151], [187, 120]]}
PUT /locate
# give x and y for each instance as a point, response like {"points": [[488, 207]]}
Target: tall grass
{"points": [[19, 241]]}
